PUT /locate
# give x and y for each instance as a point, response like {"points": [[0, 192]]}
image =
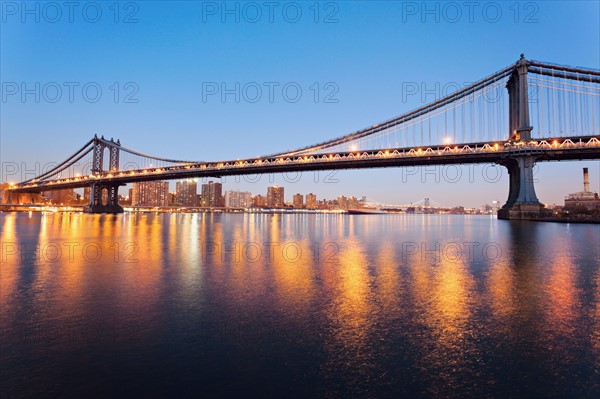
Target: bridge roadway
{"points": [[572, 148]]}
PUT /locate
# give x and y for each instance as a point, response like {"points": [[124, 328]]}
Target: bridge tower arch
{"points": [[111, 204]]}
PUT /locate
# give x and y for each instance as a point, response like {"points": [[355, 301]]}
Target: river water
{"points": [[229, 305]]}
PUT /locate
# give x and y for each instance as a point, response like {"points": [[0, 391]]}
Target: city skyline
{"points": [[187, 194]]}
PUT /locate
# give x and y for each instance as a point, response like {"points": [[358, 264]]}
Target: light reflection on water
{"points": [[297, 305]]}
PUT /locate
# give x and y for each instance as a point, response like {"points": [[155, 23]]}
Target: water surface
{"points": [[298, 306]]}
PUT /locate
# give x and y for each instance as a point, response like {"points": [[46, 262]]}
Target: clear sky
{"points": [[156, 62]]}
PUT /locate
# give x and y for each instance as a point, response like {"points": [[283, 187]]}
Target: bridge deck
{"points": [[573, 148]]}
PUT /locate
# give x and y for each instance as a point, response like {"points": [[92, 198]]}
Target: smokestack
{"points": [[586, 181]]}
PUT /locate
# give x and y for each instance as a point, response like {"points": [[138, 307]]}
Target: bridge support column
{"points": [[101, 202], [522, 202], [9, 197]]}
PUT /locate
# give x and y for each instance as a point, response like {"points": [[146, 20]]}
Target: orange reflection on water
{"points": [[389, 282], [352, 304], [444, 298], [562, 294], [452, 297], [9, 260], [501, 287], [293, 275], [212, 240], [60, 272], [351, 313]]}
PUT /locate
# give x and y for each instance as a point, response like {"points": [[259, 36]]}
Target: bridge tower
{"points": [[111, 204], [522, 202]]}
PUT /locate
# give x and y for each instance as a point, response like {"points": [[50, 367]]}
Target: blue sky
{"points": [[163, 54]]}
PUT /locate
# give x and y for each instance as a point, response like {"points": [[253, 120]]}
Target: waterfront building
{"points": [[238, 199], [186, 193], [259, 201], [150, 193], [275, 197], [298, 201], [212, 194], [62, 197], [311, 201], [586, 199]]}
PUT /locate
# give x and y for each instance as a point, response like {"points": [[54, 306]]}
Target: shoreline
{"points": [[4, 208]]}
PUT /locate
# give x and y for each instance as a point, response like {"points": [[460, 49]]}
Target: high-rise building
{"points": [[311, 201], [259, 201], [232, 199], [298, 201], [150, 193], [496, 206], [212, 194], [342, 202], [238, 199], [353, 203], [61, 197], [275, 197], [186, 193], [246, 199]]}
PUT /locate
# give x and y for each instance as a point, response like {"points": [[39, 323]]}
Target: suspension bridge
{"points": [[525, 113]]}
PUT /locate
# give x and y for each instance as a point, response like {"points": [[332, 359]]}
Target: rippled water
{"points": [[298, 306]]}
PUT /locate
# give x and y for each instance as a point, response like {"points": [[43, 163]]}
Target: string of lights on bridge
{"points": [[507, 147]]}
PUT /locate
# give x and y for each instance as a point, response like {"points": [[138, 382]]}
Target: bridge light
{"points": [[447, 140], [555, 143], [387, 153]]}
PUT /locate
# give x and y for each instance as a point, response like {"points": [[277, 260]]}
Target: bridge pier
{"points": [[108, 204], [522, 202]]}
